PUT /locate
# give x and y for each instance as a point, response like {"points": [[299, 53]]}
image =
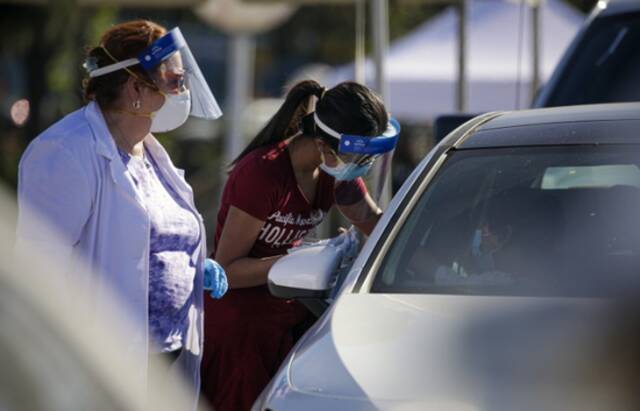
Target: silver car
{"points": [[488, 284]]}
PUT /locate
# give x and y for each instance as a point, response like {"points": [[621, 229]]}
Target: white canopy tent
{"points": [[421, 68]]}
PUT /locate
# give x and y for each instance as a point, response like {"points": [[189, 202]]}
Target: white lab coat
{"points": [[73, 176]]}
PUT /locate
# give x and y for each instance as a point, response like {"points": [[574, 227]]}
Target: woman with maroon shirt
{"points": [[276, 192]]}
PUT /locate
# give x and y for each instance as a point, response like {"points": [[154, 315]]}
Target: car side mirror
{"points": [[445, 124], [309, 273], [306, 272]]}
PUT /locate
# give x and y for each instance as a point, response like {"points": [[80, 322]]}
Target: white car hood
{"points": [[448, 352]]}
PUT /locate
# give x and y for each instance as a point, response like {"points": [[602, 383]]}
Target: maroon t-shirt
{"points": [[264, 186], [248, 332]]}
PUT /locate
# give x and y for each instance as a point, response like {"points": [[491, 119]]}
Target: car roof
{"points": [[614, 123], [618, 6]]}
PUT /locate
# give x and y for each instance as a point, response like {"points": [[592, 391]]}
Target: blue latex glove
{"points": [[215, 279]]}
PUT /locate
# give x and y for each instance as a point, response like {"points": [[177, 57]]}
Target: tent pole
{"points": [[461, 100], [240, 73], [380, 33], [360, 58], [535, 48]]}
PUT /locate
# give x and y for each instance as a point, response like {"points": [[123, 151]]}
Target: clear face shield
{"points": [[355, 154], [177, 76]]}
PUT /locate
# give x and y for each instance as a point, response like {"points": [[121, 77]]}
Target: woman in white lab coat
{"points": [[116, 203]]}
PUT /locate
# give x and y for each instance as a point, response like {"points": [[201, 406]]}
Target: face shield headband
{"points": [[164, 59], [363, 145]]}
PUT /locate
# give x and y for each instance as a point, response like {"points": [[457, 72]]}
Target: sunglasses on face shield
{"points": [[172, 82], [171, 77]]}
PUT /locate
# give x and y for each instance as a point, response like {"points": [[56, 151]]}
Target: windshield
{"points": [[513, 221], [606, 66]]}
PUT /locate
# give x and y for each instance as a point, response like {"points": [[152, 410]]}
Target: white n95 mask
{"points": [[173, 113]]}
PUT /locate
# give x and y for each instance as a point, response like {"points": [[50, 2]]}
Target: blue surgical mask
{"points": [[346, 172]]}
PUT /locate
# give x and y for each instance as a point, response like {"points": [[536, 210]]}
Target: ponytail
{"points": [[285, 122]]}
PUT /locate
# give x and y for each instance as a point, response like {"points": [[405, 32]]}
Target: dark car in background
{"points": [[601, 65]]}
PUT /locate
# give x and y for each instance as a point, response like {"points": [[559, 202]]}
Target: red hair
{"points": [[122, 41]]}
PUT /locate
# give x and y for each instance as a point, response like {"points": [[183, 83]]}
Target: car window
{"points": [[543, 220], [606, 66]]}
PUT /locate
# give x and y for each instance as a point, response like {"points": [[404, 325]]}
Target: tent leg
{"points": [[380, 33], [461, 86], [535, 50], [240, 74]]}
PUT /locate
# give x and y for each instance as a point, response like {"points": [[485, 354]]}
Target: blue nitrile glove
{"points": [[214, 278]]}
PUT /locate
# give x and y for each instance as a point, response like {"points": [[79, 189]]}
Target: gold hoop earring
{"points": [[136, 104]]}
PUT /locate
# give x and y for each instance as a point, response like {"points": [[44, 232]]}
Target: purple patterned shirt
{"points": [[175, 236]]}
